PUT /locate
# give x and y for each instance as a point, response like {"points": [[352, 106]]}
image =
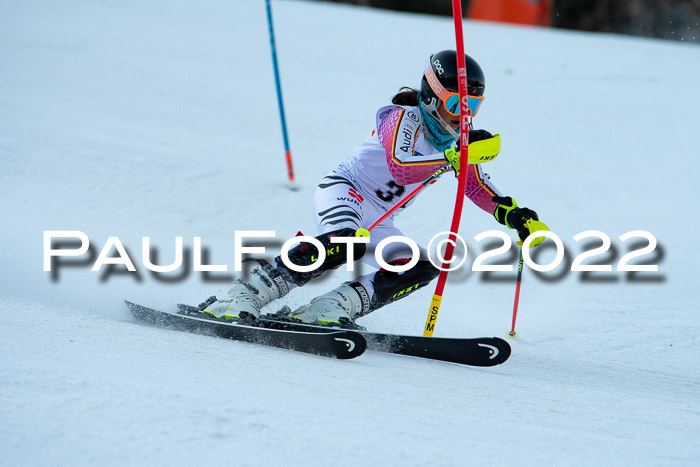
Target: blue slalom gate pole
{"points": [[287, 151]]}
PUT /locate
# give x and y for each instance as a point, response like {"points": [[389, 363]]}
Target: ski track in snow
{"points": [[140, 119]]}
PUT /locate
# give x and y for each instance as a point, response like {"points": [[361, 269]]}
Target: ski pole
{"points": [[287, 151], [518, 281], [532, 226], [433, 178], [475, 158]]}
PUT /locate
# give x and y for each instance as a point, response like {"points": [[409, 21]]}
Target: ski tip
{"points": [[513, 335]]}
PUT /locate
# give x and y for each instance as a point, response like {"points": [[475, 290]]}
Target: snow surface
{"points": [[141, 118]]}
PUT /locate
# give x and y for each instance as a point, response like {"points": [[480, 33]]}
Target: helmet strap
{"points": [[438, 132], [445, 126]]}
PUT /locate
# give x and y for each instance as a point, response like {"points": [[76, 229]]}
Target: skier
{"points": [[414, 137]]}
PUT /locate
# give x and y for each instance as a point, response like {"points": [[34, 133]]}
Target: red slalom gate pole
{"points": [[464, 120]]}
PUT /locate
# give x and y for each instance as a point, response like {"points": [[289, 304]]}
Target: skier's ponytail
{"points": [[406, 96]]}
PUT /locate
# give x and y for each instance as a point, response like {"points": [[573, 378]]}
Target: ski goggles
{"points": [[450, 99]]}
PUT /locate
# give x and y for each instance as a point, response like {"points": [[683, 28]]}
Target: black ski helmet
{"points": [[444, 65]]}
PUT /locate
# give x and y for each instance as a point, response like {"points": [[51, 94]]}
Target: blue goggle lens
{"points": [[452, 104]]}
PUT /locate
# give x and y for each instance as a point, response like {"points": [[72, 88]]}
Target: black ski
{"points": [[480, 351], [341, 344]]}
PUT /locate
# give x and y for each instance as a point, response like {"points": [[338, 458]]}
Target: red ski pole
{"points": [[432, 179], [512, 332], [428, 181], [532, 226]]}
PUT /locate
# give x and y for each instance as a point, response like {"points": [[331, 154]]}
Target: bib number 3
{"points": [[394, 191]]}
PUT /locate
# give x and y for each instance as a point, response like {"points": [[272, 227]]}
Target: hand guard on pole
{"points": [[452, 156], [524, 220], [483, 147]]}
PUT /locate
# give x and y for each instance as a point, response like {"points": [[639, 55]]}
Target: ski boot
{"points": [[245, 299], [339, 307]]}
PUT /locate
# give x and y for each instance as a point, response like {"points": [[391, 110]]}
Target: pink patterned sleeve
{"points": [[398, 131], [479, 189]]}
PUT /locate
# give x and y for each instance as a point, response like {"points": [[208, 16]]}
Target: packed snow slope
{"points": [[159, 119]]}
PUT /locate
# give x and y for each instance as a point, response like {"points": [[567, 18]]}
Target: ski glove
{"points": [[524, 220], [483, 147]]}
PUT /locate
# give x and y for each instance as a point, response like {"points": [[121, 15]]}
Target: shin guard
{"points": [[391, 286], [306, 254]]}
